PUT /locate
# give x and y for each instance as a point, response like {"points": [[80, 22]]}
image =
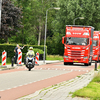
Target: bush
{"points": [[9, 48], [38, 50]]}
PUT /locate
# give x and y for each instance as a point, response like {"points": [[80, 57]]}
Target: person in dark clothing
{"points": [[16, 52]]}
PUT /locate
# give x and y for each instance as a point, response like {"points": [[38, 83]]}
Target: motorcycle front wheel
{"points": [[29, 69]]}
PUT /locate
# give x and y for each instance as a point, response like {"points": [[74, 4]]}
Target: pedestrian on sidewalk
{"points": [[16, 50]]}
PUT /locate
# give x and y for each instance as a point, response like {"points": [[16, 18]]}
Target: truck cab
{"points": [[78, 44], [95, 46]]}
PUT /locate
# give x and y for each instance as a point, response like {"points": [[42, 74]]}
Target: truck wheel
{"points": [[65, 63], [90, 63], [70, 63], [86, 64], [98, 60]]}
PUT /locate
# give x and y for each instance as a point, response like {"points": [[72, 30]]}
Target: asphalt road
{"points": [[19, 78], [19, 82]]}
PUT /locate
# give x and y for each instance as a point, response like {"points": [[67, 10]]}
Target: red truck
{"points": [[99, 46], [96, 44], [78, 47]]}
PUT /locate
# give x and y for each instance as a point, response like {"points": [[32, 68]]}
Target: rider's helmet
{"points": [[31, 48]]}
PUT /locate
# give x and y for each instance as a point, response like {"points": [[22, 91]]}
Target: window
{"points": [[95, 42], [77, 41]]}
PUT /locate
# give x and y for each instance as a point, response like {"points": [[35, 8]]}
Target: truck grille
{"points": [[76, 55]]}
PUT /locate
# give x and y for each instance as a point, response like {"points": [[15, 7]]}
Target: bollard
{"points": [[19, 58], [95, 65], [12, 61], [4, 56], [37, 58]]}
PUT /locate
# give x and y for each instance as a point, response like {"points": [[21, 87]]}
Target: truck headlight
{"points": [[68, 33], [85, 57], [95, 56], [87, 48], [96, 48], [86, 34], [65, 56], [68, 47]]}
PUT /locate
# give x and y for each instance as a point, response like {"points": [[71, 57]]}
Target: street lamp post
{"points": [[57, 8], [77, 18], [0, 13]]}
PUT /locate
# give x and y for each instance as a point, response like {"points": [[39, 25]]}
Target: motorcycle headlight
{"points": [[30, 58]]}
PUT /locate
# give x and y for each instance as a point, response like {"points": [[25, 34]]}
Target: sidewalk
{"points": [[63, 90]]}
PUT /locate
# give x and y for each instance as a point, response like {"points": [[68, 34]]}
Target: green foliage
{"points": [[97, 78], [54, 57], [92, 90], [34, 14], [38, 50], [55, 45], [9, 48], [69, 10], [10, 20], [33, 19]]}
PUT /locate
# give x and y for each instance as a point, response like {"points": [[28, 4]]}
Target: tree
{"points": [[10, 19], [34, 18], [71, 9]]}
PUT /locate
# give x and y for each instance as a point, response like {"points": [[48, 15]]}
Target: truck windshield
{"points": [[95, 42], [77, 41]]}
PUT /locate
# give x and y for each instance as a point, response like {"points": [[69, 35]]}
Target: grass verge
{"points": [[54, 57], [92, 90]]}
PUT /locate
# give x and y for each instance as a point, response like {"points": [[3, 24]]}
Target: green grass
{"points": [[92, 90], [6, 63], [54, 57], [98, 67]]}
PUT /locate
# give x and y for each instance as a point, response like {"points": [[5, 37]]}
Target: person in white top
{"points": [[16, 50], [19, 49]]}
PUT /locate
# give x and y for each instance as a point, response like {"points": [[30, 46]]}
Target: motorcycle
{"points": [[30, 62]]}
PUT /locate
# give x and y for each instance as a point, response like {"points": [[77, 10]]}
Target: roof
{"points": [[80, 26]]}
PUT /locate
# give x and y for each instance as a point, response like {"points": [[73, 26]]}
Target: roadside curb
{"points": [[7, 69], [41, 63]]}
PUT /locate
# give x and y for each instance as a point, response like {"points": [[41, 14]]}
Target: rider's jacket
{"points": [[30, 52]]}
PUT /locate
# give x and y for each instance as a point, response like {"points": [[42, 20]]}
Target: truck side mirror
{"points": [[90, 41], [62, 40]]}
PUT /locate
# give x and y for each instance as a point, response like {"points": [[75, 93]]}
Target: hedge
{"points": [[9, 48]]}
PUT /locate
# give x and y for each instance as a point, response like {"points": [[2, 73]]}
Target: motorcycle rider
{"points": [[30, 51], [30, 54]]}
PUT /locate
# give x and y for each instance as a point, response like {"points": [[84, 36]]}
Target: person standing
{"points": [[16, 50], [16, 53]]}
